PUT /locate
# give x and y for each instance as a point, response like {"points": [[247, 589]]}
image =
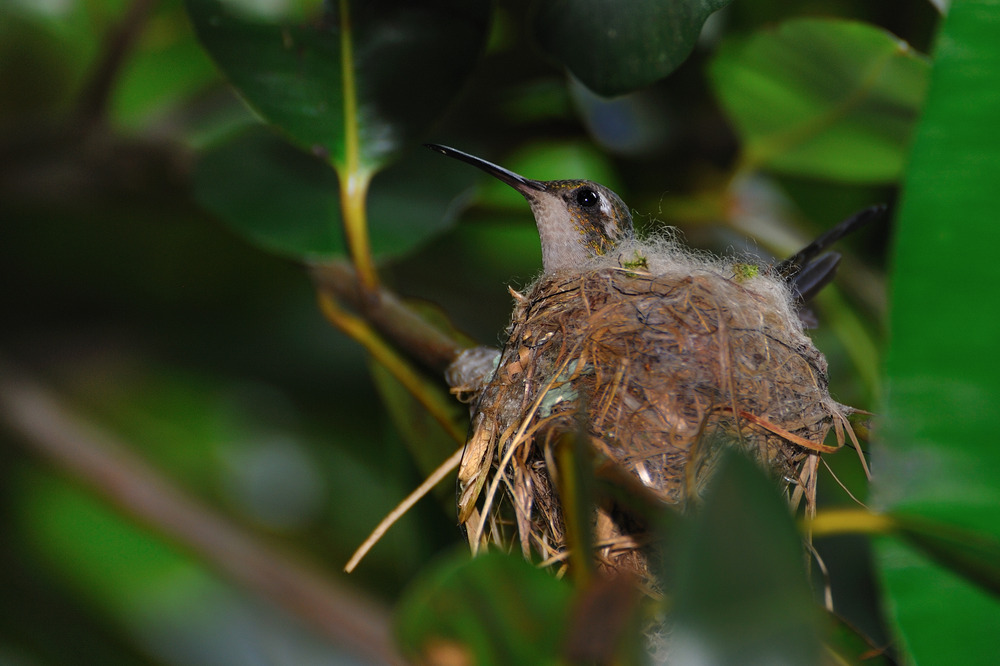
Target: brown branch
{"points": [[112, 470], [411, 333]]}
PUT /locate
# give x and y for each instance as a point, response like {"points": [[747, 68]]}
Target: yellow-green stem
{"points": [[358, 329], [354, 178], [353, 201], [850, 521]]}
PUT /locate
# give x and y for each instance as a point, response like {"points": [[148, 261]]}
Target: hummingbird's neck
{"points": [[561, 240]]}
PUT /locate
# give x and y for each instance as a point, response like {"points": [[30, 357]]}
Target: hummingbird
{"points": [[578, 220]]}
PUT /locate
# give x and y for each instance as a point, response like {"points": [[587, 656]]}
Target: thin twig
{"points": [[443, 470], [113, 471], [408, 331], [405, 373]]}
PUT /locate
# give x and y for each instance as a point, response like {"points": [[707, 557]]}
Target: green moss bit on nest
{"points": [[743, 272], [636, 263]]}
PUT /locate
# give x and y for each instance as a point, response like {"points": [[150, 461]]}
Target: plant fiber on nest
{"points": [[659, 361]]}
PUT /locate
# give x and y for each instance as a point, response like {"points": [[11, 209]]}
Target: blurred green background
{"points": [[130, 293]]}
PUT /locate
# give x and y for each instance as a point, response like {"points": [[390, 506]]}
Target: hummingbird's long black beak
{"points": [[517, 181]]}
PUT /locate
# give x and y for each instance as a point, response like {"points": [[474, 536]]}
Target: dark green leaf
{"points": [[938, 458], [288, 202], [494, 609], [742, 596], [850, 646], [113, 563], [406, 62], [614, 47], [822, 98], [971, 554]]}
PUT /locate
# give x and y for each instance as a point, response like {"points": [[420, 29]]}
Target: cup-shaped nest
{"points": [[658, 362]]}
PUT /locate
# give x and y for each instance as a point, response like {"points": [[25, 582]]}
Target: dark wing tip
{"points": [[796, 263]]}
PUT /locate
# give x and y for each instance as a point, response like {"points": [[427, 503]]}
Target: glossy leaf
{"points": [[974, 555], [938, 457], [742, 596], [615, 47], [494, 609], [822, 98], [364, 98], [288, 202]]}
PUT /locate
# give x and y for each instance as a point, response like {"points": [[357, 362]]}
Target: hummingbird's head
{"points": [[576, 219]]}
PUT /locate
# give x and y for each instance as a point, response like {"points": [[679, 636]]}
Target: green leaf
{"points": [[938, 457], [494, 609], [615, 47], [112, 563], [355, 83], [288, 202], [742, 596], [971, 554], [167, 68], [847, 645], [822, 98]]}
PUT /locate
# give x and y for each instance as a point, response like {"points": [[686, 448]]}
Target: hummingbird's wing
{"points": [[807, 270], [814, 276]]}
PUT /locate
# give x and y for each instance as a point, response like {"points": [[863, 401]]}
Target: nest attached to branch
{"points": [[658, 362]]}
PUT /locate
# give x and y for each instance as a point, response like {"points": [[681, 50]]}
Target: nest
{"points": [[658, 364]]}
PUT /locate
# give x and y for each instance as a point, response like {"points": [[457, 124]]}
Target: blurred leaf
{"points": [[614, 47], [114, 564], [46, 51], [494, 609], [822, 98], [938, 458], [166, 603], [400, 66], [971, 554], [850, 647], [288, 202], [167, 68], [632, 125], [742, 596], [254, 449]]}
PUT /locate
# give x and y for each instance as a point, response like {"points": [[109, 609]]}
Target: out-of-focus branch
{"points": [[136, 489], [399, 324]]}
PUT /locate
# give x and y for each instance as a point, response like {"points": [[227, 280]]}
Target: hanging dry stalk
{"points": [[665, 358]]}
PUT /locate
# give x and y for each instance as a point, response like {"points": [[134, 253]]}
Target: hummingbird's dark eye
{"points": [[587, 197]]}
